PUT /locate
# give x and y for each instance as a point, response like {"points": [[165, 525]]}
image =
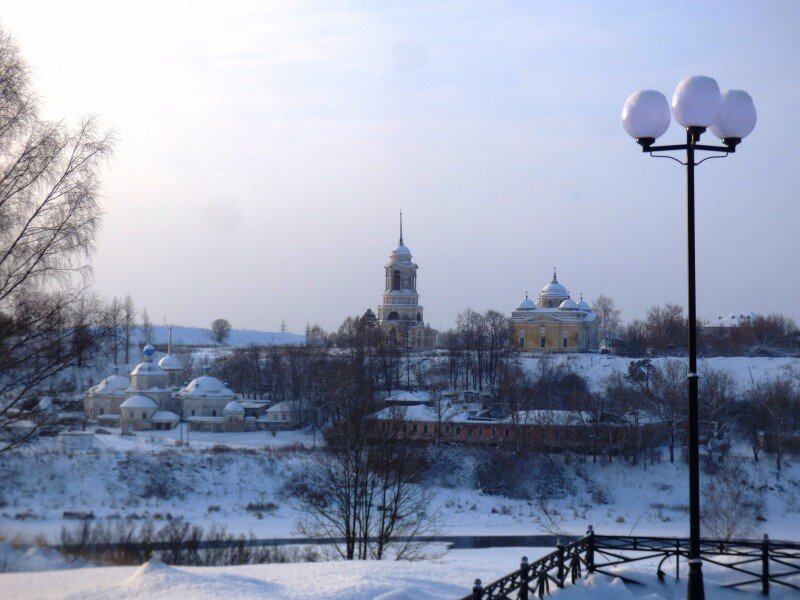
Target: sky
{"points": [[265, 149]]}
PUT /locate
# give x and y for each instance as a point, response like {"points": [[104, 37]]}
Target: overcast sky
{"points": [[265, 149]]}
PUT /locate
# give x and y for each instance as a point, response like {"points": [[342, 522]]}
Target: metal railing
{"points": [[761, 562]]}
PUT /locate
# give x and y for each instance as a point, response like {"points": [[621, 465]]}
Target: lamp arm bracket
{"points": [[709, 158], [669, 157]]}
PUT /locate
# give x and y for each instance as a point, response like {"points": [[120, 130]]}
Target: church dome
{"points": [[113, 385], [233, 406], [583, 306], [169, 362], [526, 304], [207, 387], [568, 305], [554, 289], [139, 402], [148, 368], [402, 250]]}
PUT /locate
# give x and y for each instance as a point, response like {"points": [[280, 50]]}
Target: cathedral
{"points": [[400, 314], [555, 323]]}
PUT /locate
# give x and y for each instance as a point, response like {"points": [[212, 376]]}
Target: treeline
{"points": [[663, 331]]}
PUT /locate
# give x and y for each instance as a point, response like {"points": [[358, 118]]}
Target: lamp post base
{"points": [[695, 589]]}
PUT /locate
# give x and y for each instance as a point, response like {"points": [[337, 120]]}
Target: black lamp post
{"points": [[697, 105]]}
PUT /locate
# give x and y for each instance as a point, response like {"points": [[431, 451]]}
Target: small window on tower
{"points": [[564, 342], [396, 281], [542, 342]]}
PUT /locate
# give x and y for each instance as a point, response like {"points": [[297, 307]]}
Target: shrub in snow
{"points": [[731, 504]]}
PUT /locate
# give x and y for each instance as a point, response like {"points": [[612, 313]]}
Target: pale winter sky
{"points": [[266, 148]]}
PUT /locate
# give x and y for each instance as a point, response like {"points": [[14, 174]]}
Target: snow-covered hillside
{"points": [[148, 477], [597, 367], [199, 336]]}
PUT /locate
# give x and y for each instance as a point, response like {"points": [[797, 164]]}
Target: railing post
{"points": [[523, 591], [560, 562], [590, 550], [765, 565], [477, 590]]}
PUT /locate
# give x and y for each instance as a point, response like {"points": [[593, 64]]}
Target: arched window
{"points": [[393, 316], [419, 317], [396, 280]]}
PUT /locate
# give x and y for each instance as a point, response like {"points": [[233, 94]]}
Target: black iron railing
{"points": [[760, 562]]}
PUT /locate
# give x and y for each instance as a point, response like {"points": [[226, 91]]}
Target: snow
{"points": [[200, 336], [447, 577], [207, 387], [164, 415], [138, 402]]}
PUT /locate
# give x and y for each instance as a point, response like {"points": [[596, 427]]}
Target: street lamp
{"points": [[697, 105]]}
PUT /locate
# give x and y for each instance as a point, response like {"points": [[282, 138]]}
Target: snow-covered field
{"points": [[200, 336], [447, 577], [595, 368]]}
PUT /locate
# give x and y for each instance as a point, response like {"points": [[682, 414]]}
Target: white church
{"points": [[154, 398]]}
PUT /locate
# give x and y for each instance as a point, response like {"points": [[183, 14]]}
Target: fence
{"points": [[761, 562]]}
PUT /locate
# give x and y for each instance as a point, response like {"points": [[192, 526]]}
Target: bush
{"points": [[177, 543]]}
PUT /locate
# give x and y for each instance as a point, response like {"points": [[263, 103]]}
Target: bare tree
{"points": [[731, 504], [220, 330], [147, 328], [362, 490], [49, 214], [128, 325], [608, 314]]}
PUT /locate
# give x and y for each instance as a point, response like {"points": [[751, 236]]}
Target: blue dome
{"points": [[149, 350]]}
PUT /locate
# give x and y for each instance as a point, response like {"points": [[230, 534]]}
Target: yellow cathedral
{"points": [[555, 323]]}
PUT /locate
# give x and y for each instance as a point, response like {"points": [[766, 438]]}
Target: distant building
{"points": [[153, 398], [555, 323], [723, 326], [400, 313]]}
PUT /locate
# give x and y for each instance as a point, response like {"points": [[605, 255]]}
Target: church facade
{"points": [[400, 315], [554, 323]]}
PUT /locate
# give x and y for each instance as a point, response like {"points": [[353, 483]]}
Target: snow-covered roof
{"points": [[148, 368], [402, 250], [113, 385], [733, 320], [233, 406], [164, 416], [526, 304], [46, 403], [416, 412], [406, 396], [206, 386], [582, 305], [554, 290], [286, 406], [139, 402], [568, 304], [170, 362]]}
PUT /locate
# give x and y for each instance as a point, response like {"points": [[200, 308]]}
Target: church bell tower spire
{"points": [[401, 226]]}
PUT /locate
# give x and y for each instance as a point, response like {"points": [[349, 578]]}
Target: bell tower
{"points": [[400, 298]]}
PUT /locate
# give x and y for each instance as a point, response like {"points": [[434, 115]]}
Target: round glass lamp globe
{"points": [[697, 102], [738, 116], [645, 114]]}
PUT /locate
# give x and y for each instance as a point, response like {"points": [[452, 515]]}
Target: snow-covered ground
{"points": [[595, 368], [200, 336], [219, 478], [447, 577]]}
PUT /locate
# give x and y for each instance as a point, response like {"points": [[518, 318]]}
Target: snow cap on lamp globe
{"points": [[697, 102], [738, 116], [646, 114]]}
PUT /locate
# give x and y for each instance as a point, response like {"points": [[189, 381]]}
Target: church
{"points": [[555, 323], [400, 313]]}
